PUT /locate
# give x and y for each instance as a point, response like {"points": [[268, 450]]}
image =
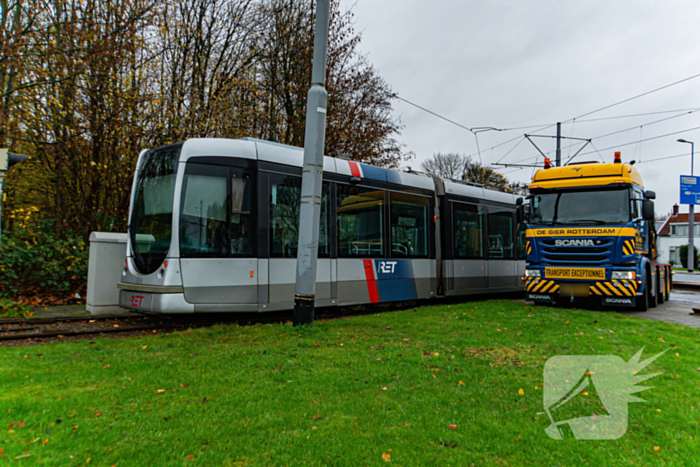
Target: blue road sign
{"points": [[690, 189]]}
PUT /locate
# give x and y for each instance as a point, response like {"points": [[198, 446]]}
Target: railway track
{"points": [[50, 329], [30, 331], [42, 330]]}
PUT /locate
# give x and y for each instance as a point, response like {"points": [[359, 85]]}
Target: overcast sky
{"points": [[509, 64]]}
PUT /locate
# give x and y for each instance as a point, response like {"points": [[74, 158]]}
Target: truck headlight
{"points": [[532, 273], [623, 275]]}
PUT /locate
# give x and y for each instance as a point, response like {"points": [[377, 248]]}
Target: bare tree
{"points": [[449, 165], [454, 166]]}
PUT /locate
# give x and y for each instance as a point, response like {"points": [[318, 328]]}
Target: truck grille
{"points": [[565, 254]]}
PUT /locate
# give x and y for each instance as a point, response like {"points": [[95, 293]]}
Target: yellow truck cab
{"points": [[590, 233]]}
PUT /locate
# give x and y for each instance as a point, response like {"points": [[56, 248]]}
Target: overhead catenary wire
{"points": [[685, 113], [578, 118], [636, 97]]}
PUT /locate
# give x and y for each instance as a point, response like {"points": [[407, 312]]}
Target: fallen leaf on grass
{"points": [[160, 391], [23, 456], [520, 391], [452, 427], [190, 457], [384, 388], [386, 457], [45, 441], [656, 448], [317, 417], [105, 366], [75, 427]]}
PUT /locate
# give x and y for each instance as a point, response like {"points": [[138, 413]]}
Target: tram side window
{"points": [[468, 231], [500, 228], [360, 222], [285, 195], [203, 216], [241, 229], [409, 220]]}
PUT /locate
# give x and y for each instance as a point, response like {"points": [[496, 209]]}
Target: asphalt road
{"points": [[678, 309], [685, 277]]}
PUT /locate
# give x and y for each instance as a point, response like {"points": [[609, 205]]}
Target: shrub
{"points": [[34, 259], [684, 256]]}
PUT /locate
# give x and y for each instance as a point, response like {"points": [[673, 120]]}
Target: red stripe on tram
{"points": [[371, 282], [354, 169]]}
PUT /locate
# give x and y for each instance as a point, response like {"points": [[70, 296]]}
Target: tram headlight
{"points": [[532, 273], [623, 275]]}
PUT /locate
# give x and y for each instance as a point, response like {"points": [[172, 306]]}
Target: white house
{"points": [[674, 233]]}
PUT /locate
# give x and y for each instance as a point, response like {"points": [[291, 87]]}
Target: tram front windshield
{"points": [[151, 220]]}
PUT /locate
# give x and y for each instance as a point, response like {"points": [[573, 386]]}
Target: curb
{"points": [[686, 285]]}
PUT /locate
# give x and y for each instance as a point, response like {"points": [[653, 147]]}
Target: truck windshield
{"points": [[585, 207], [151, 220]]}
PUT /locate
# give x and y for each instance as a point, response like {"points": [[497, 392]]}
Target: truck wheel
{"points": [[644, 299], [642, 303], [653, 297]]}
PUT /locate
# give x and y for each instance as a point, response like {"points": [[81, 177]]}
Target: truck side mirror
{"points": [[520, 210], [650, 194], [648, 210]]}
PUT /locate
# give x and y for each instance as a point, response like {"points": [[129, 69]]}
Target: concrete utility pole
{"points": [[691, 212], [691, 218], [558, 144], [312, 177]]}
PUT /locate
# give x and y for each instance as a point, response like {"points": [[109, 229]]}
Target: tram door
{"points": [[285, 195], [503, 266], [217, 243], [469, 268]]}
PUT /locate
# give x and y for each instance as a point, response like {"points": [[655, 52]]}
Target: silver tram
{"points": [[213, 228]]}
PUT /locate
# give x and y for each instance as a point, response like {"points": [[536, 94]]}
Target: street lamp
{"points": [[691, 213]]}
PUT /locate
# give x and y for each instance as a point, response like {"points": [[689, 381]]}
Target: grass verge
{"points": [[440, 385]]}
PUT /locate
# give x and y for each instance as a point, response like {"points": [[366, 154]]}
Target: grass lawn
{"points": [[441, 385]]}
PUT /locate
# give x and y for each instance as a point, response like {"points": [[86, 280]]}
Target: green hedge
{"points": [[36, 260], [684, 256]]}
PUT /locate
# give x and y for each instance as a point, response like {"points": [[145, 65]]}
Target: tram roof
{"points": [[257, 149]]}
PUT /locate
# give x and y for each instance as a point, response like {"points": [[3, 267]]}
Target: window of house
{"points": [[679, 230]]}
